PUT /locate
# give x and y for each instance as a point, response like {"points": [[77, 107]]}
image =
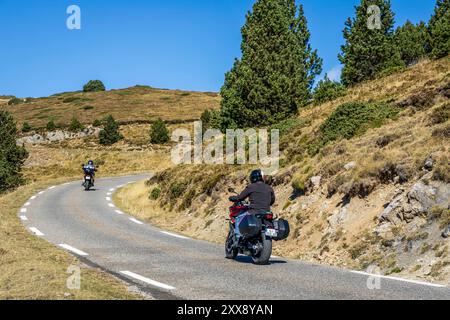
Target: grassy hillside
{"points": [[369, 149], [136, 104]]}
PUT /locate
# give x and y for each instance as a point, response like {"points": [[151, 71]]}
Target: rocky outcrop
{"points": [[59, 135]]}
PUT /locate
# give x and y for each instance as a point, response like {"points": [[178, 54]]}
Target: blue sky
{"points": [[178, 44]]}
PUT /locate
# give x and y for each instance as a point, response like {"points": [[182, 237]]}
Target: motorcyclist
{"points": [[90, 169], [260, 194]]}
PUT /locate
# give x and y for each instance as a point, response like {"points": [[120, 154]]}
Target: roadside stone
{"points": [[446, 233], [429, 163], [350, 166], [315, 181]]}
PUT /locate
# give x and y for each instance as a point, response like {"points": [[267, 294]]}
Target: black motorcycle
{"points": [[257, 233], [88, 178]]}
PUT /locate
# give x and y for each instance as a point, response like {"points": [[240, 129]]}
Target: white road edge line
{"points": [[147, 280], [36, 232], [112, 189], [136, 221], [72, 249], [400, 279], [23, 210], [174, 235], [108, 199], [23, 218], [41, 192], [109, 193], [111, 205], [33, 197], [52, 187], [27, 204], [119, 212]]}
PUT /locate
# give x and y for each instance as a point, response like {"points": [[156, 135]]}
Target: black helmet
{"points": [[256, 175], [90, 162]]}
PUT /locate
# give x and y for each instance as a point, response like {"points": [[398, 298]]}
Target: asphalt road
{"points": [[172, 267]]}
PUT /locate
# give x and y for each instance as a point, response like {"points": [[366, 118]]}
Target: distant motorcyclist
{"points": [[260, 195], [90, 169]]}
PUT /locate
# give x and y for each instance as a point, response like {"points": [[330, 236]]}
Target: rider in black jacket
{"points": [[260, 194]]}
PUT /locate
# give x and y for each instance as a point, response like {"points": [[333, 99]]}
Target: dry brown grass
{"points": [[31, 268], [126, 105]]}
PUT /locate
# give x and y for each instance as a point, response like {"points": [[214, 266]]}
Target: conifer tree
{"points": [[411, 40], [275, 75], [439, 30], [369, 49], [12, 156]]}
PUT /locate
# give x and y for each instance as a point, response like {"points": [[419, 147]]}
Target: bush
{"points": [[94, 86], [97, 123], [12, 156], [159, 133], [440, 114], [351, 119], [110, 134], [26, 127], [155, 193], [288, 125], [88, 108], [206, 118], [327, 90], [51, 125], [14, 101], [75, 125]]}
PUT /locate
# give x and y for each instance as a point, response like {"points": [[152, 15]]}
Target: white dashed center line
{"points": [[399, 279], [72, 249], [36, 232], [147, 280], [136, 221], [174, 235]]}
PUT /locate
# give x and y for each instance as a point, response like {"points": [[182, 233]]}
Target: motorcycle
{"points": [[88, 177], [257, 231]]}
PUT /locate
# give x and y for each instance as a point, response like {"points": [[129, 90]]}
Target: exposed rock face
{"points": [[417, 202], [315, 182], [59, 135]]}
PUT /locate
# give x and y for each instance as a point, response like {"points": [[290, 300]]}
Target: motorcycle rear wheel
{"points": [[230, 252], [264, 256]]}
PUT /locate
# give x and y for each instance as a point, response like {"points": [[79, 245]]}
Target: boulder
{"points": [[349, 166], [315, 181]]}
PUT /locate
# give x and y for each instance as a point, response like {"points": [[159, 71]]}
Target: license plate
{"points": [[271, 233], [88, 178]]}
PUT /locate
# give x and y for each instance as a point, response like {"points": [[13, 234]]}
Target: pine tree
{"points": [[369, 49], [12, 156], [275, 75], [411, 40], [110, 134], [159, 133], [439, 30]]}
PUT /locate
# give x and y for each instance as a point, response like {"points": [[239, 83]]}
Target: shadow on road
{"points": [[247, 259]]}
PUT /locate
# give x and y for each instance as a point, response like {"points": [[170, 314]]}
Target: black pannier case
{"points": [[282, 226], [250, 226]]}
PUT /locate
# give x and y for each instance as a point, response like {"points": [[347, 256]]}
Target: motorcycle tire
{"points": [[264, 256], [230, 252]]}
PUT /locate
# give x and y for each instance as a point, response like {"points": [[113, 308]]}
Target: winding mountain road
{"points": [[170, 266]]}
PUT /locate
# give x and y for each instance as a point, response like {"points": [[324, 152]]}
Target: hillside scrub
{"points": [[110, 134], [94, 86], [351, 119]]}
